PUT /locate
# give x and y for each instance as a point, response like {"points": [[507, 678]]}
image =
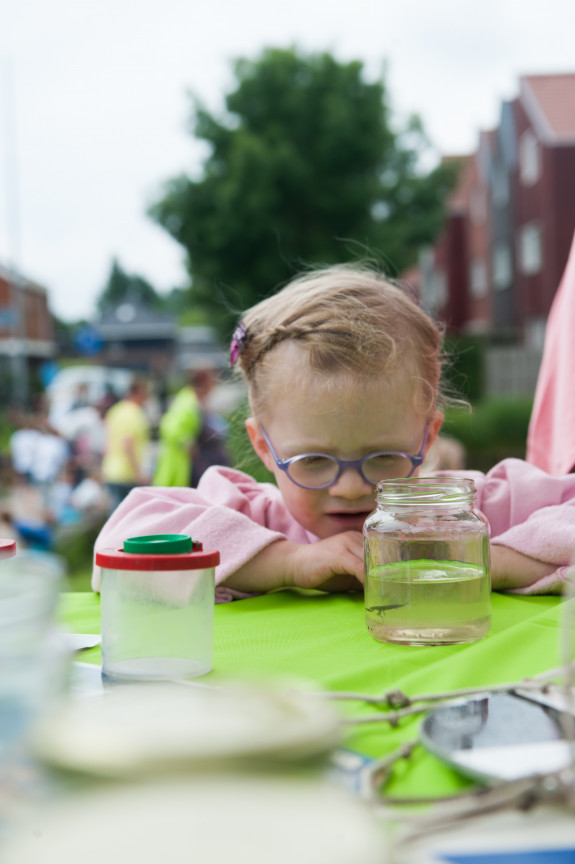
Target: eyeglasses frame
{"points": [[344, 464]]}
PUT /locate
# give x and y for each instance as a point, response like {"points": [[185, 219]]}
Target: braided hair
{"points": [[345, 319]]}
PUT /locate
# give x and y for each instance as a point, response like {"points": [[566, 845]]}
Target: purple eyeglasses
{"points": [[320, 470]]}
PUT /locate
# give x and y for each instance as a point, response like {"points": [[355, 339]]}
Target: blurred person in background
{"points": [[51, 454], [178, 431], [22, 444], [81, 397], [30, 503], [210, 446], [109, 398], [127, 443]]}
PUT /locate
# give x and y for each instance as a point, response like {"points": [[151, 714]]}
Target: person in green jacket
{"points": [[179, 429]]}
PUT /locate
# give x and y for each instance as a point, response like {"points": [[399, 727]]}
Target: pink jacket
{"points": [[551, 437], [528, 510]]}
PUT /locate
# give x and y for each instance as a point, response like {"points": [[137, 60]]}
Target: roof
{"points": [[549, 101], [505, 145], [484, 152], [457, 201], [13, 277], [134, 320]]}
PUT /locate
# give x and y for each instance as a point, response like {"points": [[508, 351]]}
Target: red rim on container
{"points": [[158, 552], [7, 548]]}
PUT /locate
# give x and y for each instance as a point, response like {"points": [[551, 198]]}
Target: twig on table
{"points": [[376, 773], [523, 794], [405, 705]]}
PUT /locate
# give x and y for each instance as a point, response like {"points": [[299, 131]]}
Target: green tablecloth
{"points": [[323, 638]]}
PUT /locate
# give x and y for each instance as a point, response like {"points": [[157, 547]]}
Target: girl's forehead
{"points": [[343, 399], [288, 367], [290, 376]]}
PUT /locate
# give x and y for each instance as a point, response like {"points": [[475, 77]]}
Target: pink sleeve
{"points": [[532, 513], [229, 511]]}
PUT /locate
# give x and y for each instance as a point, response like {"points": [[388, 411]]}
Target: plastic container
{"points": [[427, 568], [7, 548], [157, 605], [31, 672]]}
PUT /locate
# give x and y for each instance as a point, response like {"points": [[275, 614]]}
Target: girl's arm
{"points": [[511, 569], [532, 517], [261, 546], [334, 564]]}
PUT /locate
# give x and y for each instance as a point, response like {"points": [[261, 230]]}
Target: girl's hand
{"points": [[333, 564]]}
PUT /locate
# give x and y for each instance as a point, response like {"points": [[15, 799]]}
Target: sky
{"points": [[95, 105]]}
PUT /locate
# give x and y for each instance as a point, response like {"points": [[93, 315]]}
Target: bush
{"points": [[75, 544], [241, 451], [491, 430], [464, 373]]}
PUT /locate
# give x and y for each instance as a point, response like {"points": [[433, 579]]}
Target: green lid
{"points": [[159, 544]]}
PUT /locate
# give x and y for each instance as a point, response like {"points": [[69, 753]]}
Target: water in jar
{"points": [[428, 602]]}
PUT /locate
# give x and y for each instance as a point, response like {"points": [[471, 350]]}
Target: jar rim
{"points": [[424, 491]]}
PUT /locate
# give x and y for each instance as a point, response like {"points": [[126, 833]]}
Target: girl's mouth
{"points": [[348, 518]]}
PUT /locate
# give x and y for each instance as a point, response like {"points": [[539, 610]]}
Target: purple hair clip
{"points": [[238, 342]]}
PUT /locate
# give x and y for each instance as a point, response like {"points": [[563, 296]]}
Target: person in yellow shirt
{"points": [[127, 442]]}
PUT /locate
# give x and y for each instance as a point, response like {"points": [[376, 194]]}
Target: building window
{"points": [[535, 333], [436, 292], [500, 187], [478, 278], [529, 159], [530, 252], [501, 266]]}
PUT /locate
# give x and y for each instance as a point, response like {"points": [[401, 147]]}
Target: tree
{"points": [[304, 168], [122, 286]]}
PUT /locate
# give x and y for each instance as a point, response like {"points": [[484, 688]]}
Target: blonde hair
{"points": [[347, 319]]}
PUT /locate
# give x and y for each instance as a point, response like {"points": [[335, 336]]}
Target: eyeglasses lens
{"points": [[386, 466], [313, 471], [316, 471]]}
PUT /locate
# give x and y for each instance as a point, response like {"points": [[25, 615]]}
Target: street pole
{"points": [[18, 361]]}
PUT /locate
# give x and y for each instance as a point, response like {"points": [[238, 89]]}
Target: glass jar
{"points": [[427, 570], [157, 606]]}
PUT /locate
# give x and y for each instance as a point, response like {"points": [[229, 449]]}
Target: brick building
{"points": [[510, 221], [26, 333]]}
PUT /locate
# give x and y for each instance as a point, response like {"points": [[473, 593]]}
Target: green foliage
{"points": [[79, 579], [6, 429], [241, 451], [75, 545], [491, 430], [464, 373], [304, 168]]}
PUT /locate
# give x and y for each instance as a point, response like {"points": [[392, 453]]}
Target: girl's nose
{"points": [[350, 484]]}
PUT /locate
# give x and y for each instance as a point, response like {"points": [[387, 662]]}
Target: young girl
{"points": [[343, 376]]}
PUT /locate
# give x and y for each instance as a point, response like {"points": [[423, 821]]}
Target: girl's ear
{"points": [[259, 443], [433, 429]]}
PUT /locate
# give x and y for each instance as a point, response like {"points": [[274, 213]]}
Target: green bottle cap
{"points": [[159, 544]]}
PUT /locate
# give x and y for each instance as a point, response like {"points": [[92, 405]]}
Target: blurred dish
{"points": [[142, 729], [245, 819], [80, 641], [499, 736]]}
